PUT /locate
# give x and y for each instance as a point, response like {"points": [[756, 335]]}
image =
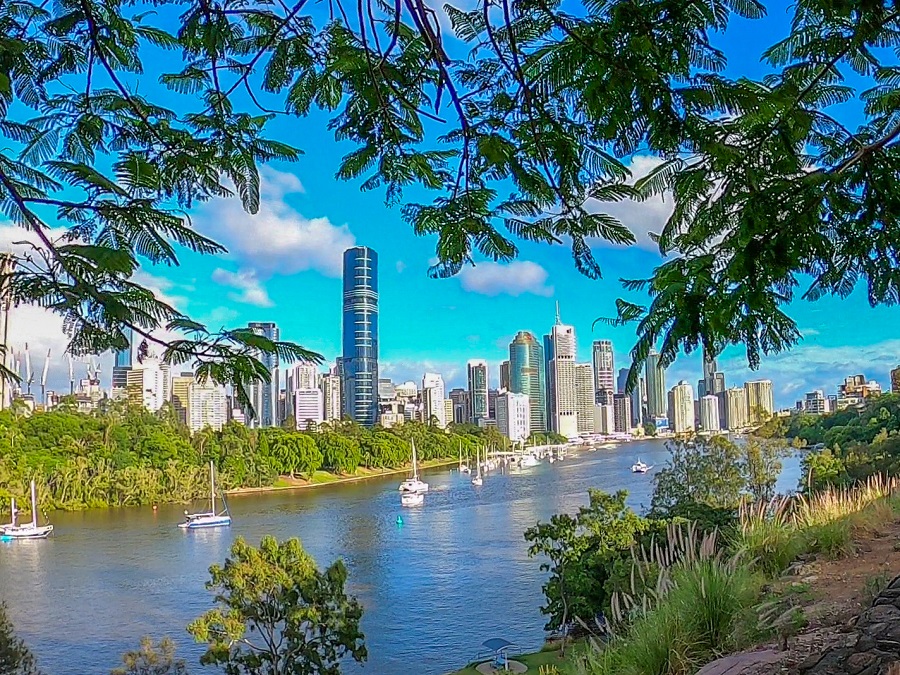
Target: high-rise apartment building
{"points": [[815, 403], [264, 395], [604, 418], [122, 363], [895, 380], [760, 400], [585, 395], [303, 375], [736, 415], [561, 376], [527, 376], [149, 384], [478, 389], [504, 376], [604, 371], [655, 378], [359, 362], [622, 413], [433, 409], [492, 403], [709, 413], [181, 396], [681, 408], [514, 416], [308, 408], [207, 406], [330, 385]]}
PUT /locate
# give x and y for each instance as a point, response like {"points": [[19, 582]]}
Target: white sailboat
{"points": [[463, 468], [30, 530], [195, 521], [478, 480], [413, 484]]}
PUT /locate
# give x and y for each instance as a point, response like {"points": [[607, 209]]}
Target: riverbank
{"points": [[547, 658], [325, 478]]}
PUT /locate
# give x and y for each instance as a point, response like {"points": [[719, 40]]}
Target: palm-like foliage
{"points": [[518, 126]]}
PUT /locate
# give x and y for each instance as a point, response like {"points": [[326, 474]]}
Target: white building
{"points": [[309, 408], [736, 416], [433, 399], [406, 391], [330, 386], [149, 384], [303, 375], [709, 413], [760, 400], [207, 405], [681, 408], [584, 392], [514, 416], [563, 397], [604, 418]]}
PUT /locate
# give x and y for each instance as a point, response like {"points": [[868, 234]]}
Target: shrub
{"points": [[767, 536]]}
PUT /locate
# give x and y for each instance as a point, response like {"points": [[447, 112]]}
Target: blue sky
{"points": [[283, 265]]}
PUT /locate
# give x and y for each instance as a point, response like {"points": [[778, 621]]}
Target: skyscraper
{"points": [[207, 405], [604, 371], [638, 401], [681, 408], [514, 416], [180, 396], [433, 409], [504, 376], [122, 363], [736, 417], [709, 413], [585, 394], [527, 376], [622, 413], [460, 400], [655, 377], [895, 380], [548, 355], [760, 400], [622, 380], [359, 363], [330, 384], [561, 376], [478, 389], [264, 395], [709, 372]]}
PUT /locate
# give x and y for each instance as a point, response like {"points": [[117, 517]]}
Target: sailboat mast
{"points": [[33, 505], [415, 464], [212, 487]]}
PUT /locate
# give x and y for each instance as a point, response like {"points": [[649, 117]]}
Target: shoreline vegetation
{"points": [[122, 455]]}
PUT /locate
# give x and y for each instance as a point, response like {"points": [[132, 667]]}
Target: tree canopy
{"points": [[516, 120]]}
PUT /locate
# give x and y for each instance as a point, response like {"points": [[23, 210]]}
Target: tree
{"points": [[15, 657], [152, 659], [762, 466], [581, 552], [707, 471], [770, 186], [278, 614]]}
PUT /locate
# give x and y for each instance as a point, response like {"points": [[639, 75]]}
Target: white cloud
{"points": [[400, 266], [403, 370], [278, 239], [251, 290], [162, 288], [641, 217], [516, 278]]}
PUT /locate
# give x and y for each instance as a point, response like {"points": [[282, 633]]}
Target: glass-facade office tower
{"points": [[604, 372], [359, 363], [478, 389], [122, 364], [264, 395], [527, 375], [655, 377]]}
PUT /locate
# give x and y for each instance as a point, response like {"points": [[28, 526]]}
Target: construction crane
{"points": [[44, 379], [29, 375]]}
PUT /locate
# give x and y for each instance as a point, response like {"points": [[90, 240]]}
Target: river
{"points": [[455, 573]]}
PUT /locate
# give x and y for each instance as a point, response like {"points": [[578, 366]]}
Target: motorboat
{"points": [[412, 498], [31, 530], [640, 467], [413, 484], [528, 460], [478, 480], [196, 521]]}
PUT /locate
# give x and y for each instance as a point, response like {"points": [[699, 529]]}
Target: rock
{"points": [[859, 662], [811, 579]]}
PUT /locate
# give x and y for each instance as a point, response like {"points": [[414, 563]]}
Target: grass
{"points": [[547, 658]]}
